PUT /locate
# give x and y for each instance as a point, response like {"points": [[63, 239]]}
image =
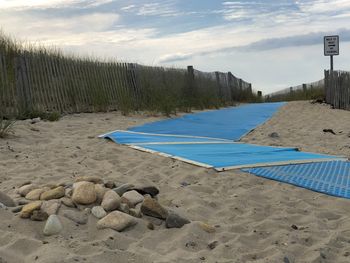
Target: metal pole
{"points": [[331, 63]]}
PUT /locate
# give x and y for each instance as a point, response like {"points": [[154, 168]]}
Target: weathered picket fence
{"points": [[44, 82], [337, 89]]}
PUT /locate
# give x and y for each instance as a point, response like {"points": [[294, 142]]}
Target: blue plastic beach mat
{"points": [[207, 139], [332, 178], [229, 123], [225, 156]]}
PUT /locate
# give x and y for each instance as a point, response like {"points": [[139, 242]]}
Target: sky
{"points": [[274, 44]]}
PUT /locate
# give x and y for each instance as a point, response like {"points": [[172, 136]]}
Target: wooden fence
{"points": [[43, 82], [337, 89]]}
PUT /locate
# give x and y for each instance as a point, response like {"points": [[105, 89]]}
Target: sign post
{"points": [[331, 47]]}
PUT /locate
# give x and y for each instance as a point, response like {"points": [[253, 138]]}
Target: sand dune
{"points": [[255, 220]]}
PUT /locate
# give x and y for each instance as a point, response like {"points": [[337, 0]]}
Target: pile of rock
{"points": [[115, 207]]}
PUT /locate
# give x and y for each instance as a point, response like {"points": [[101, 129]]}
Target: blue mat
{"points": [[230, 123], [225, 156], [332, 178], [128, 137]]}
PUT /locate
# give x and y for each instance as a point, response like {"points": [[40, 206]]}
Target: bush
{"points": [[6, 126]]}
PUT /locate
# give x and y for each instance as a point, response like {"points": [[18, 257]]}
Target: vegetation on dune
{"points": [[36, 81]]}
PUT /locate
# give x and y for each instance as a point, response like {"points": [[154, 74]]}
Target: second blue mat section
{"points": [[332, 178], [230, 123]]}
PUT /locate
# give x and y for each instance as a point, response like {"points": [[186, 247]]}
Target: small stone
{"points": [[78, 217], [55, 193], [213, 245], [175, 221], [39, 215], [111, 201], [92, 179], [294, 227], [17, 209], [23, 202], [6, 200], [120, 190], [25, 183], [84, 193], [67, 202], [135, 212], [53, 226], [116, 220], [24, 190], [207, 228], [35, 194], [68, 192], [28, 209], [147, 189], [150, 226], [134, 197], [110, 184], [98, 212], [274, 135], [100, 192], [286, 260], [124, 208], [2, 206], [123, 200], [152, 208], [51, 207], [35, 120]]}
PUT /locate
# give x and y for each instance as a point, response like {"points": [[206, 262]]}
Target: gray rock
{"points": [[98, 212], [111, 201], [53, 226], [51, 207], [67, 202], [120, 190], [175, 221], [80, 218], [84, 193], [152, 208], [124, 208], [39, 215], [116, 220], [17, 209], [68, 192], [133, 197], [6, 200], [110, 184], [2, 206], [147, 189], [135, 212]]}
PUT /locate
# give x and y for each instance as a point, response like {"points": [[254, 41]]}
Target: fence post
{"points": [[304, 88], [22, 86], [190, 91]]}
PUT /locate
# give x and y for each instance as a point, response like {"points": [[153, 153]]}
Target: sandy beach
{"points": [[252, 219]]}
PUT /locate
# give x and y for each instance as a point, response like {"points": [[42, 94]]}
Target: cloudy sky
{"points": [[272, 43]]}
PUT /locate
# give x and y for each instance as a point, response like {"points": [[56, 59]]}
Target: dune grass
{"points": [[35, 80]]}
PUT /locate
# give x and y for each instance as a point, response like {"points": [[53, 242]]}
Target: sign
{"points": [[331, 45]]}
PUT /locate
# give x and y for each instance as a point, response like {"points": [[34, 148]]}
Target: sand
{"points": [[255, 219]]}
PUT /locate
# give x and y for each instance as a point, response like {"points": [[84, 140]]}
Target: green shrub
{"points": [[6, 126]]}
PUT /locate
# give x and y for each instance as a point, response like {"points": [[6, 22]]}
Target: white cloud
{"points": [[323, 6], [30, 26], [19, 4]]}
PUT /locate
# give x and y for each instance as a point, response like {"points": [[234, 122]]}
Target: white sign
{"points": [[331, 45]]}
